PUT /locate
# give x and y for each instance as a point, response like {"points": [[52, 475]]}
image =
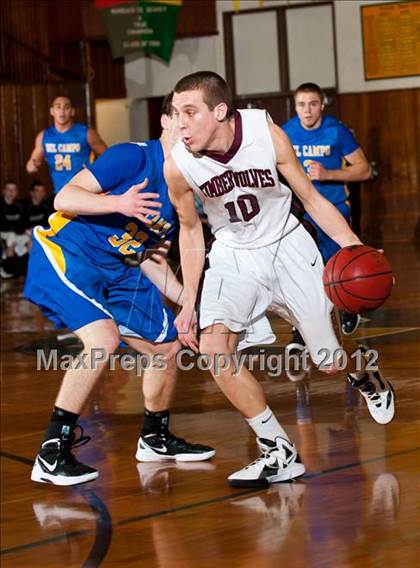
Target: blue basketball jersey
{"points": [[106, 239], [327, 145], [76, 274], [65, 152]]}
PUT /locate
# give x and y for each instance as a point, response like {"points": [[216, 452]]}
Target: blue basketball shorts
{"points": [[72, 292]]}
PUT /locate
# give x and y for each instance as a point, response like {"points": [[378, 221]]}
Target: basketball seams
{"points": [[342, 304], [371, 298], [374, 300], [364, 253], [360, 277]]}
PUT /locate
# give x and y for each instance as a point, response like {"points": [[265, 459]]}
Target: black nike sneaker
{"points": [[166, 446], [57, 465]]}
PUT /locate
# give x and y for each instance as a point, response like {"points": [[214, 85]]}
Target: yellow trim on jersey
{"points": [[54, 248], [57, 221]]}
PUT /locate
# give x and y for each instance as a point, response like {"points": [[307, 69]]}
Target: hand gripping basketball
{"points": [[358, 278]]}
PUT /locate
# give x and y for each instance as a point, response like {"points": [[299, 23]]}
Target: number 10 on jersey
{"points": [[247, 205]]}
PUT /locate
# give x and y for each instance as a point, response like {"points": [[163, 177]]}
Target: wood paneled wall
{"points": [[24, 41], [387, 126], [197, 18]]}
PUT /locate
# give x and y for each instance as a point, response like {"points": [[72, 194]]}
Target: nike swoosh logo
{"points": [[162, 449], [314, 262], [265, 421], [50, 467]]}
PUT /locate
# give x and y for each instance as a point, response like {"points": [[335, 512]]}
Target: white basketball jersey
{"points": [[246, 204]]}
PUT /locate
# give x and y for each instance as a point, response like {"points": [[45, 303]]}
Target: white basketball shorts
{"points": [[241, 284]]}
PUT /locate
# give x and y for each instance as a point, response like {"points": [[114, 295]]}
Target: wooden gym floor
{"points": [[358, 505]]}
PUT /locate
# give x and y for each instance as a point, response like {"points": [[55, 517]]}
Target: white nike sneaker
{"points": [[57, 465], [279, 462], [378, 394]]}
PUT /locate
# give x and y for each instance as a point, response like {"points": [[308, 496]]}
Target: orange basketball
{"points": [[358, 278]]}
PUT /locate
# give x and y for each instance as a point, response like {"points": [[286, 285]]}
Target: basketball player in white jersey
{"points": [[262, 256]]}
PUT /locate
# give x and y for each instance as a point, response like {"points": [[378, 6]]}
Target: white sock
{"points": [[266, 425]]}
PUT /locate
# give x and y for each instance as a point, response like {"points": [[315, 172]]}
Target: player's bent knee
{"points": [[108, 343], [213, 346]]}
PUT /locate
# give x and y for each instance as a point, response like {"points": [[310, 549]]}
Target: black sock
{"points": [[62, 423], [155, 422]]}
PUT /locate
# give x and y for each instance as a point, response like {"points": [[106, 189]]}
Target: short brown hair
{"points": [[166, 107], [214, 87], [61, 96], [310, 88]]}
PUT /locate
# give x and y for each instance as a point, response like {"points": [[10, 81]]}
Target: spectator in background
{"points": [[14, 240], [322, 145]]}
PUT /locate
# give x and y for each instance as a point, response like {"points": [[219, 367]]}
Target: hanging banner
{"points": [[121, 21], [142, 26], [161, 18]]}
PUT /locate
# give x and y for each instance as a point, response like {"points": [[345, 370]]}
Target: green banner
{"points": [[160, 19], [143, 26]]}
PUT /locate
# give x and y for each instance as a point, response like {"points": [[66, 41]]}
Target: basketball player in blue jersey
{"points": [[65, 145], [322, 145], [114, 207]]}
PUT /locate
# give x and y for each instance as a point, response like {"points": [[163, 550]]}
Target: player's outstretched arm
{"points": [[35, 161], [320, 209], [83, 196], [95, 142], [192, 250]]}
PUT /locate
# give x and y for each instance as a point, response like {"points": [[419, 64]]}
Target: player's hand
{"points": [[139, 204], [32, 166], [186, 325], [317, 172]]}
